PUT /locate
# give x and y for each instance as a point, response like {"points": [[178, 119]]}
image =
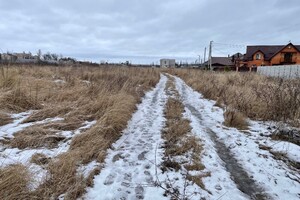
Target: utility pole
{"points": [[204, 56], [209, 55]]}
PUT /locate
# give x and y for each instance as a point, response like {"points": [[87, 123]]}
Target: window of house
{"points": [[258, 56], [288, 57]]}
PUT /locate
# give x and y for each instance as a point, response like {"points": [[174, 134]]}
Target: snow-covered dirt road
{"points": [[238, 168], [254, 171], [130, 169]]}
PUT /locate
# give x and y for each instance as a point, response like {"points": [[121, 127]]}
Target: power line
{"points": [[220, 51], [231, 45]]}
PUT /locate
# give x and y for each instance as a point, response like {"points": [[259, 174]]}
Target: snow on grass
{"points": [[261, 133], [38, 175], [59, 81], [8, 130], [9, 156], [274, 176], [85, 170], [15, 155]]}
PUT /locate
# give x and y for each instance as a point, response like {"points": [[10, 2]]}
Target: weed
{"points": [[234, 118]]}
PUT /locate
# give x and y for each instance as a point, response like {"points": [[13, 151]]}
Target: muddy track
{"points": [[241, 178]]}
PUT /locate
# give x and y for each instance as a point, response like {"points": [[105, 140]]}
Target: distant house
{"points": [[26, 58], [220, 64], [18, 58], [268, 55], [8, 58], [167, 63]]}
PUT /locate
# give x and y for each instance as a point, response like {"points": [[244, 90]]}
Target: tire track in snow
{"points": [[129, 171], [241, 178]]}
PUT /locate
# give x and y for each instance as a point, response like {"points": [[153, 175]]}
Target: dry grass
{"points": [[14, 181], [49, 111], [63, 179], [35, 137], [107, 95], [69, 124], [234, 118], [255, 96], [8, 78], [18, 101], [5, 119], [197, 179], [39, 159]]}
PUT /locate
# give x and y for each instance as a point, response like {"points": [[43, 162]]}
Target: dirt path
{"points": [[243, 181], [240, 177], [130, 167]]}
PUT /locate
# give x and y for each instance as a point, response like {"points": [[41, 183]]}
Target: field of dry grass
{"points": [[75, 95], [253, 95]]}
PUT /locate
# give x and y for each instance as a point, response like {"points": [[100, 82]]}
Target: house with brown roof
{"points": [[268, 55], [221, 64]]}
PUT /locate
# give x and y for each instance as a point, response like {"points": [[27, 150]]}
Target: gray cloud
{"points": [[144, 30]]}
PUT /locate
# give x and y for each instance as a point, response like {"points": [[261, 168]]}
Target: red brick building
{"points": [[268, 55]]}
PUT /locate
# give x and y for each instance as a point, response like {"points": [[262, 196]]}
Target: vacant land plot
{"points": [[136, 133]]}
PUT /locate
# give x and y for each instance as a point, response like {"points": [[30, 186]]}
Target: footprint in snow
{"points": [[109, 179], [139, 192], [141, 156]]}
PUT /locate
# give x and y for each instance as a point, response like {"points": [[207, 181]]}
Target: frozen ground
{"points": [[243, 164]]}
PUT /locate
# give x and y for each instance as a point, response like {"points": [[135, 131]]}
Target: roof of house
{"points": [[220, 61], [268, 50]]}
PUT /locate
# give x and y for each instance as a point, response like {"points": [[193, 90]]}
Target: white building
{"points": [[167, 63]]}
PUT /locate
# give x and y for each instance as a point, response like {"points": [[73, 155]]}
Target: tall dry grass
{"points": [[256, 96], [4, 119], [14, 183], [77, 94]]}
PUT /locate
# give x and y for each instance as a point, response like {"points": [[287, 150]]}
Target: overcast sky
{"points": [[145, 30]]}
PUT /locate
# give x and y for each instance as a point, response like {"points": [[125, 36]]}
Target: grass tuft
{"points": [[235, 119]]}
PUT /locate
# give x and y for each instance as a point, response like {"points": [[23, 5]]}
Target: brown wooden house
{"points": [[269, 55], [221, 64]]}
